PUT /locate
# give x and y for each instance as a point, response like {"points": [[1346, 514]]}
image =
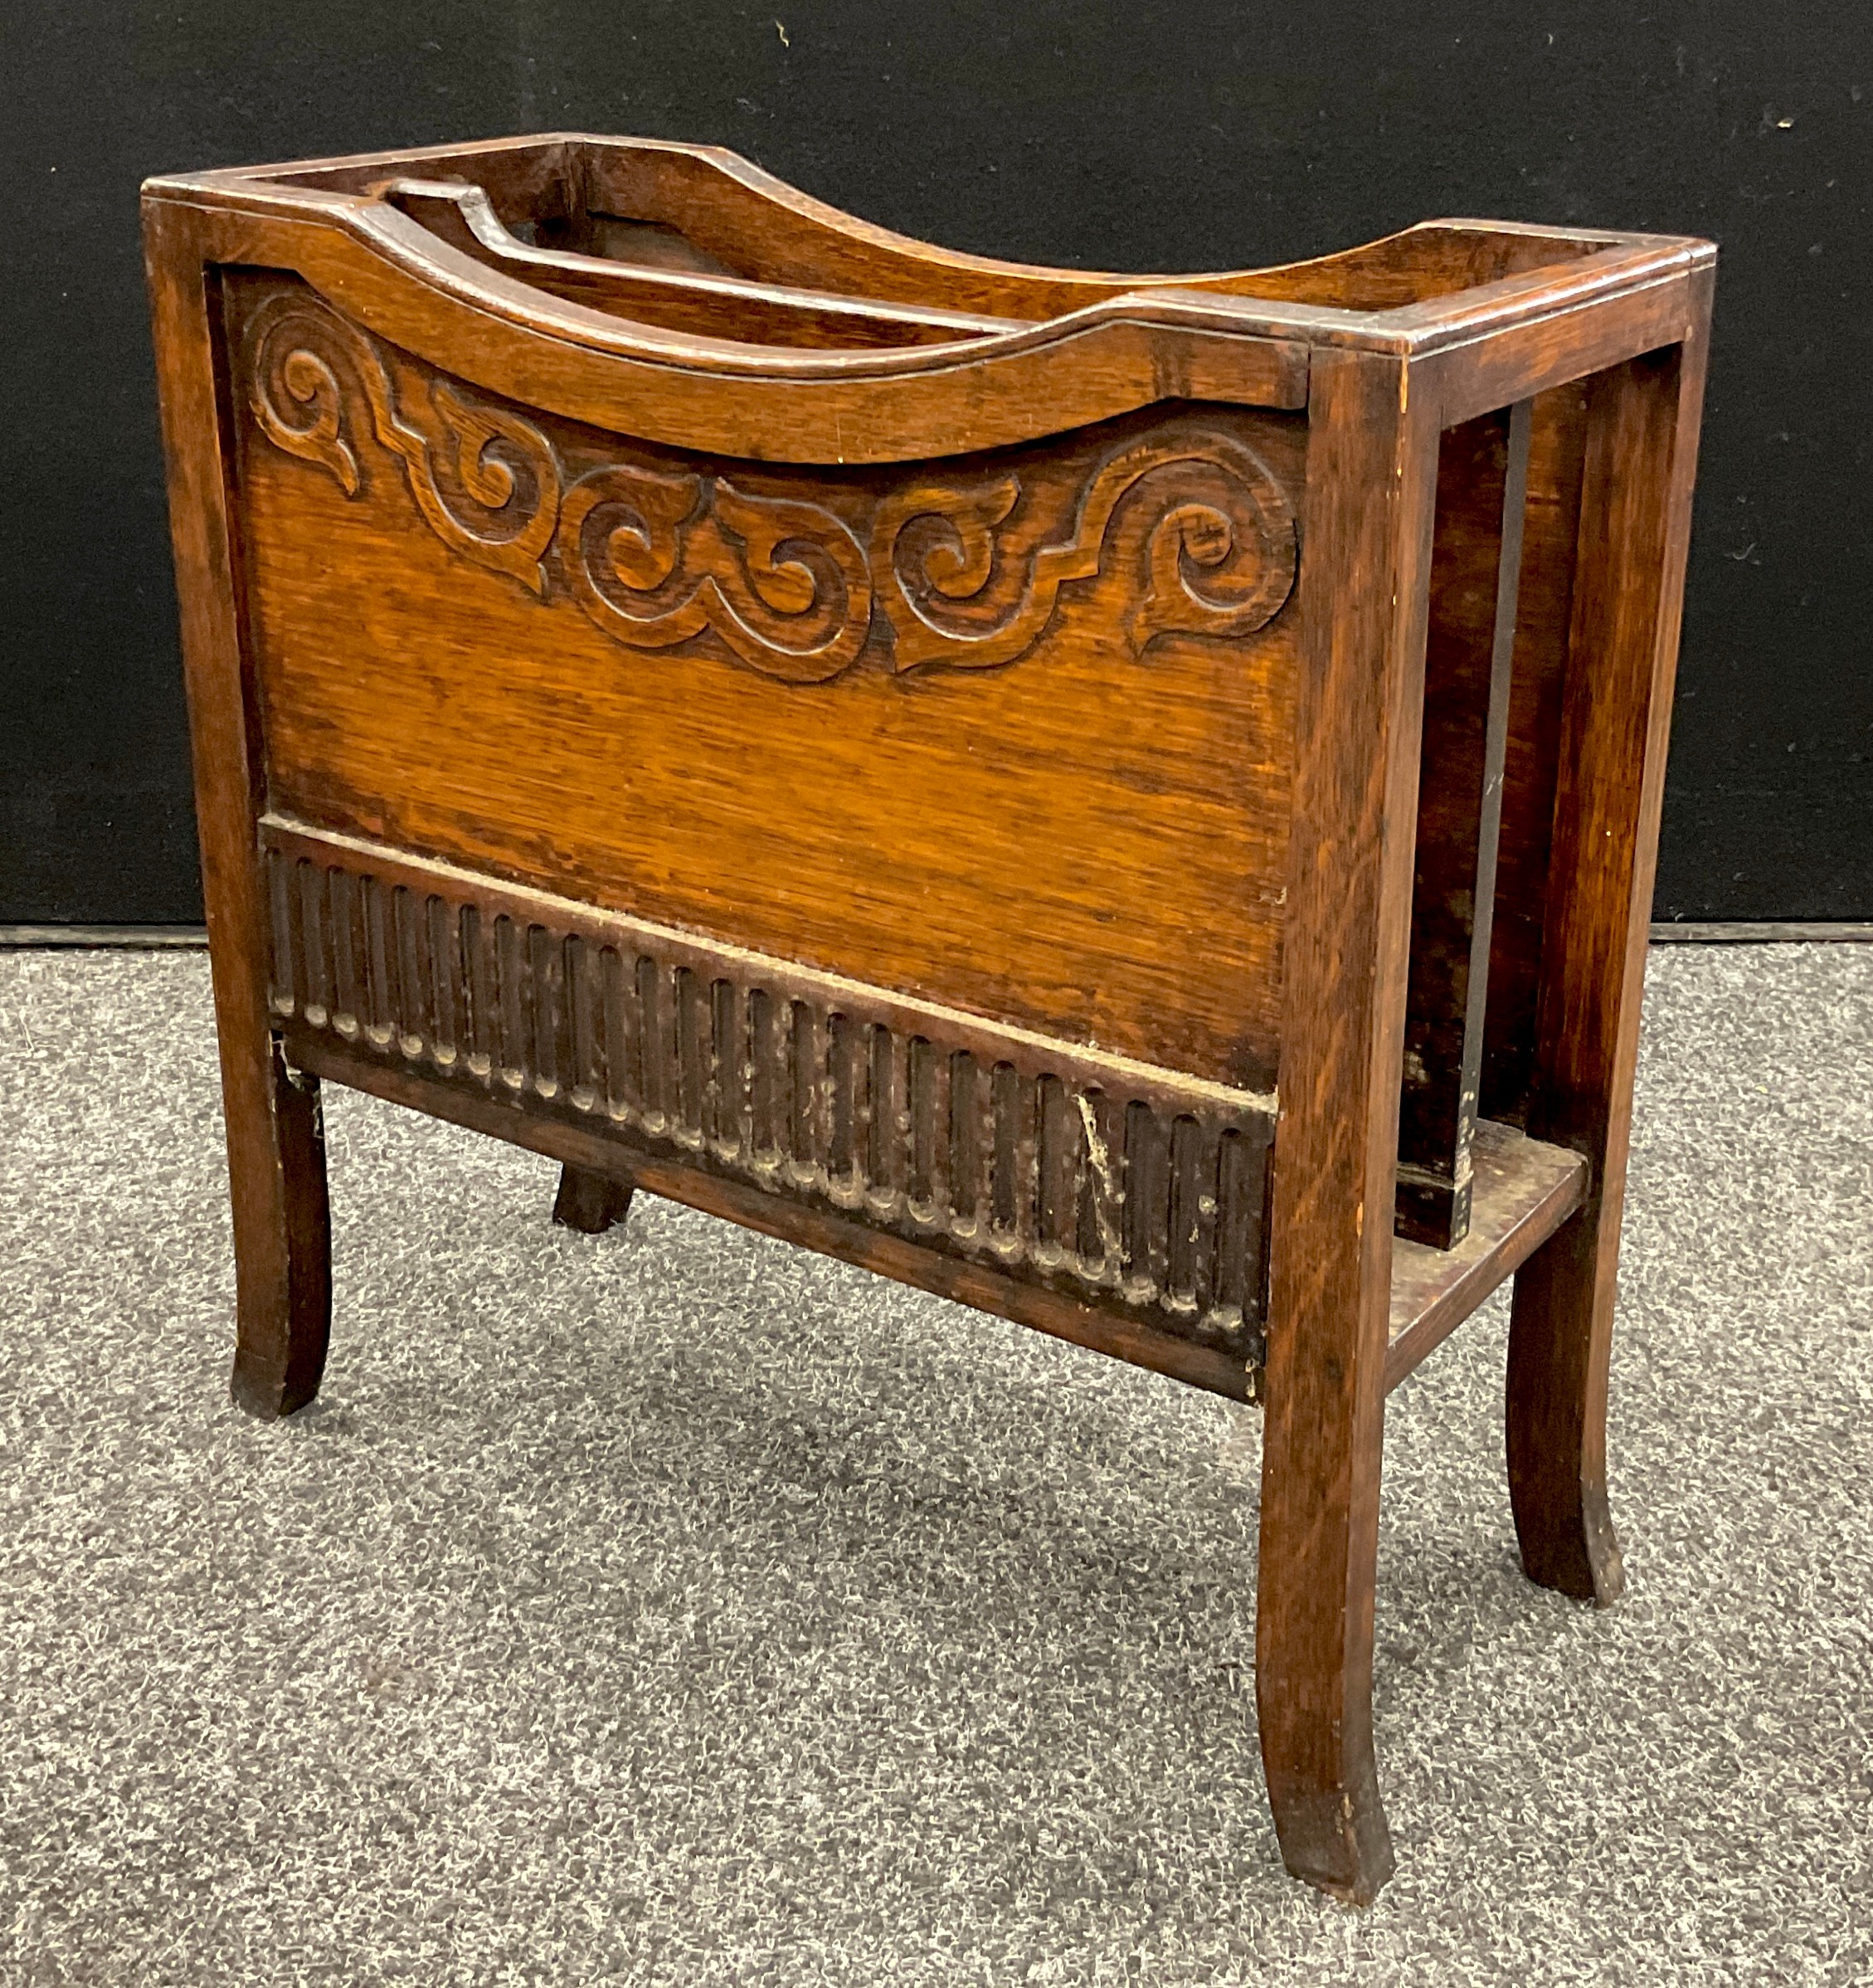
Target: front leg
{"points": [[1314, 1638], [1371, 477], [275, 1134], [282, 1224]]}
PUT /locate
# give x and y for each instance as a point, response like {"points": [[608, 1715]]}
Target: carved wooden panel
{"points": [[1187, 526], [1010, 732], [1116, 1182]]}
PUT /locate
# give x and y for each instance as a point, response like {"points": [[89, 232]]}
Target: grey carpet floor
{"points": [[675, 1606]]}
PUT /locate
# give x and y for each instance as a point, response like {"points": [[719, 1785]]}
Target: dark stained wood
{"points": [[1525, 1190], [1240, 337], [746, 220], [851, 737], [1371, 469], [396, 280], [707, 209], [1647, 306], [1642, 420], [975, 1284], [590, 1202], [1475, 564], [806, 1085]]}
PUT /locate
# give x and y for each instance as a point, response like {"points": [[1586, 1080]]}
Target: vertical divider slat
{"points": [[1205, 1194], [1053, 1160], [764, 1138], [407, 968], [738, 1069], [479, 982], [864, 1106], [1025, 1180], [581, 1072], [1476, 567], [780, 1047], [938, 1134], [1233, 1164], [1147, 1198], [842, 1146], [283, 978], [647, 1037], [965, 1171], [1004, 1102], [511, 1004], [886, 1064], [718, 1088], [1100, 1223], [542, 983], [687, 992]]}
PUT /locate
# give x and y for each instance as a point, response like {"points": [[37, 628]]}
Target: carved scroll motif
{"points": [[655, 559], [1185, 530], [504, 468], [1193, 528]]}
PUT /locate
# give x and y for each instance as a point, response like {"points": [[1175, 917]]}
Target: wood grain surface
{"points": [[990, 802]]}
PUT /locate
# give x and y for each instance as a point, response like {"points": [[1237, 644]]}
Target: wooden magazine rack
{"points": [[1128, 802]]}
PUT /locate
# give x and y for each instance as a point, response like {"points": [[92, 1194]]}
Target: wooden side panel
{"points": [[1110, 1183], [1013, 733]]}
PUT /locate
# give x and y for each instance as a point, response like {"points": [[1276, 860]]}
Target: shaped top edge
{"points": [[707, 210]]}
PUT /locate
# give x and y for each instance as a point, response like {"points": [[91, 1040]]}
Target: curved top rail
{"points": [[735, 207], [461, 214], [752, 225]]}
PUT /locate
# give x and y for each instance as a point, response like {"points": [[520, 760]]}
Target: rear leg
{"points": [[590, 1202]]}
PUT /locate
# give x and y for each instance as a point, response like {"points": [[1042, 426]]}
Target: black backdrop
{"points": [[1178, 134]]}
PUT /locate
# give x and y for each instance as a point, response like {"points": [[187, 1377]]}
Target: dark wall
{"points": [[1140, 136]]}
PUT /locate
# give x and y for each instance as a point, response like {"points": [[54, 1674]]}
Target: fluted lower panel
{"points": [[1115, 1182]]}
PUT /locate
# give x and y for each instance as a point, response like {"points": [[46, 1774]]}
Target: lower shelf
{"points": [[1524, 1190]]}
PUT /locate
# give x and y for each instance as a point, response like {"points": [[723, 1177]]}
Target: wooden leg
{"points": [[282, 1235], [1313, 1661], [588, 1202], [1371, 478], [1616, 714], [275, 1135], [1560, 1340]]}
